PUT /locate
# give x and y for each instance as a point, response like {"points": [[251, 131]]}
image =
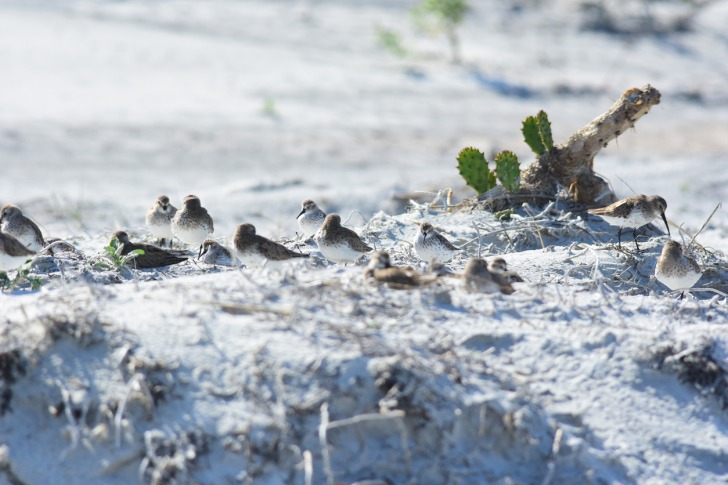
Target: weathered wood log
{"points": [[571, 164]]}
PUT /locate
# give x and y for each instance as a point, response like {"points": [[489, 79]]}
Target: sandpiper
{"points": [[310, 218], [14, 223], [255, 250], [432, 247], [159, 219], [192, 224], [153, 256], [381, 271], [675, 269], [498, 265], [12, 252], [634, 212], [477, 277], [338, 243], [215, 253]]}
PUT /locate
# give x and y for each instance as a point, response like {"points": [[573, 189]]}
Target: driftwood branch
{"points": [[571, 164]]}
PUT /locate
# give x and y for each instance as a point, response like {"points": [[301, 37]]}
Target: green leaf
{"points": [[473, 166], [544, 128], [504, 215], [532, 135], [508, 170]]}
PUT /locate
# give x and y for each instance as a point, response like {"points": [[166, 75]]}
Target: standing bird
{"points": [[338, 243], [192, 224], [634, 212], [14, 223], [477, 277], [12, 252], [255, 250], [381, 271], [215, 253], [159, 219], [433, 247], [675, 269], [310, 218], [153, 256], [498, 266]]}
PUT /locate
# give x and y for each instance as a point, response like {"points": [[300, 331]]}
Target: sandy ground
{"points": [[590, 373]]}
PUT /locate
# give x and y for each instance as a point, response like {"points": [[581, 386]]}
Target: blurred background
{"points": [[359, 105]]}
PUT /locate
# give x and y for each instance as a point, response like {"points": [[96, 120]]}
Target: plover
{"points": [[337, 243], [192, 224], [675, 269], [432, 247], [159, 219], [12, 252], [215, 253], [14, 223], [310, 218], [634, 212], [477, 277], [153, 256], [498, 265], [254, 250], [381, 271]]}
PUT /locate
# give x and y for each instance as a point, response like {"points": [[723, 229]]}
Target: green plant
{"points": [[390, 41], [23, 275], [473, 167], [442, 16], [537, 133], [113, 254], [269, 108]]}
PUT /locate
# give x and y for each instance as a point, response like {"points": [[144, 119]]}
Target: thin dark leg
{"points": [[619, 238], [634, 236], [682, 294], [200, 254]]}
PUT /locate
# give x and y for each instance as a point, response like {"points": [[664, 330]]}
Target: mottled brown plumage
{"points": [[634, 212], [253, 249], [153, 256], [12, 252], [381, 271]]}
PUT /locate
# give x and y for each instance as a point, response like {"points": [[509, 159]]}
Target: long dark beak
{"points": [[299, 214], [666, 225]]}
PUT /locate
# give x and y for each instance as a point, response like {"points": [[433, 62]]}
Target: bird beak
{"points": [[300, 213], [666, 225]]}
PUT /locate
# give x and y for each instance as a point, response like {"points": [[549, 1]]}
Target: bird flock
{"points": [[21, 239]]}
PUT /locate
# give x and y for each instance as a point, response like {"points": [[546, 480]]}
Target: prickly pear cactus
{"points": [[537, 133], [473, 166], [532, 136], [508, 170], [544, 129]]}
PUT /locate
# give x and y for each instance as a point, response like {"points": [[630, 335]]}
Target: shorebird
{"points": [[192, 224], [381, 271], [310, 218], [153, 256], [12, 252], [14, 223], [215, 253], [432, 247], [498, 266], [675, 269], [254, 250], [634, 212], [159, 219], [338, 243], [477, 277]]}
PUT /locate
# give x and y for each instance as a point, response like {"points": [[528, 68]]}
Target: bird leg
{"points": [[619, 238], [634, 236]]}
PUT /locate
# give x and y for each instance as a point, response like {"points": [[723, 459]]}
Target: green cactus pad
{"points": [[532, 135], [544, 128], [508, 170], [473, 166]]}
